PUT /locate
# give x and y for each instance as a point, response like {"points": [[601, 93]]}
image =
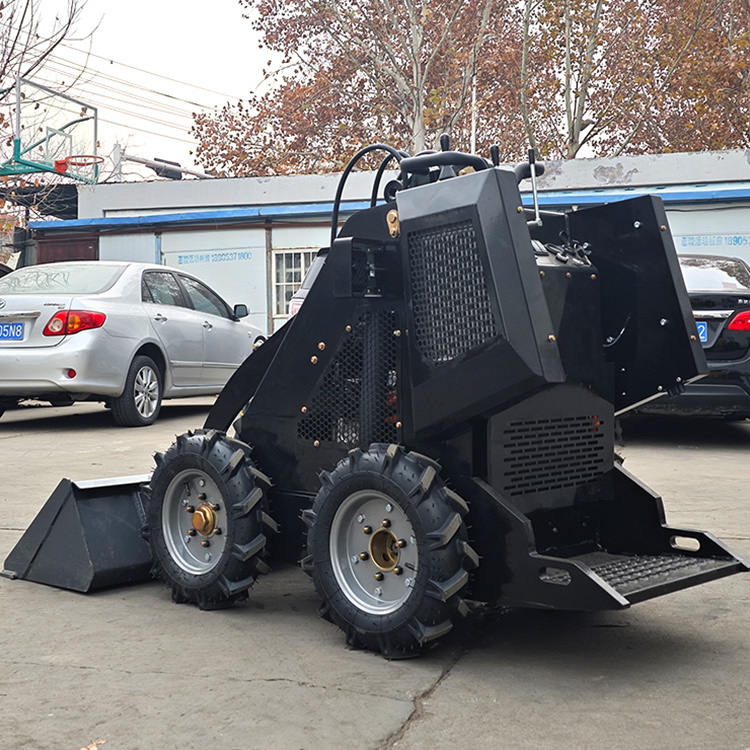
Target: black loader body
{"points": [[436, 424]]}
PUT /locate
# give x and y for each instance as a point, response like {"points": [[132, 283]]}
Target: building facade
{"points": [[252, 239]]}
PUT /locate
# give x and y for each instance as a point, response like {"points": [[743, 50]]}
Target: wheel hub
{"points": [[195, 535], [374, 551], [204, 520], [384, 551]]}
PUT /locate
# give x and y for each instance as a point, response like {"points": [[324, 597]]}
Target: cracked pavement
{"points": [[129, 667]]}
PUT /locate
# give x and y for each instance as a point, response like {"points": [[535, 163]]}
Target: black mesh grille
{"points": [[551, 454], [355, 403], [451, 305]]}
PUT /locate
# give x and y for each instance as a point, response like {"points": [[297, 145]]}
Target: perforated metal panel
{"points": [[356, 401], [552, 454], [451, 304]]}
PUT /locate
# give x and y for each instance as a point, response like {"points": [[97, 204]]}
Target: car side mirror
{"points": [[240, 311]]}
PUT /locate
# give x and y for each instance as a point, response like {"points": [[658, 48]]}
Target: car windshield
{"points": [[715, 274], [60, 279]]}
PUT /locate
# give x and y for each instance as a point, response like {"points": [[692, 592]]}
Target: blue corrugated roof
{"points": [[707, 193], [263, 213]]}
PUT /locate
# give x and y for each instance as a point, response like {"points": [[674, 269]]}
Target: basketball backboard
{"points": [[53, 132]]}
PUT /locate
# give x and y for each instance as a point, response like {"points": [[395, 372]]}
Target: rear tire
{"points": [[140, 402], [207, 519], [388, 550]]}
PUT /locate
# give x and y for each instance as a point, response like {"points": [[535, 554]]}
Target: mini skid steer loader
{"points": [[435, 426]]}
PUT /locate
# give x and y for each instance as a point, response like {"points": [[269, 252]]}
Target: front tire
{"points": [[140, 402], [388, 550], [207, 519]]}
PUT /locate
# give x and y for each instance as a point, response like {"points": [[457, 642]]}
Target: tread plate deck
{"points": [[638, 577]]}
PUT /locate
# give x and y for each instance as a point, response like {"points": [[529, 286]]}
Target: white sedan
{"points": [[128, 334]]}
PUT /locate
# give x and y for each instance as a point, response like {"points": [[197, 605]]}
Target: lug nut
{"points": [[367, 530], [378, 576], [202, 496], [215, 506], [363, 556], [218, 531], [385, 523], [205, 543], [191, 532], [397, 571], [190, 509], [401, 543]]}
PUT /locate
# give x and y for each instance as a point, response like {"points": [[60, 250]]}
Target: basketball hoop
{"points": [[82, 160], [79, 160]]}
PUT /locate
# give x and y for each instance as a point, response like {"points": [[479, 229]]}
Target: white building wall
{"points": [[231, 261], [296, 244], [139, 247], [712, 229]]}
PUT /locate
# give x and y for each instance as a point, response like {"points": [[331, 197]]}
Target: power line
{"points": [[150, 132], [148, 72], [130, 84], [95, 94]]}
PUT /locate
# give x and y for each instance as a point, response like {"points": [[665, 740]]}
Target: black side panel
{"points": [[87, 536], [475, 303], [647, 324], [242, 385], [547, 449]]}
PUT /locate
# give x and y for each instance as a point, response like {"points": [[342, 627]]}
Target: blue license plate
{"points": [[702, 330], [11, 331]]}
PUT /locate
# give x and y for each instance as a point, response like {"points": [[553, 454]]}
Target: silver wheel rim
{"points": [[375, 574], [146, 392], [192, 495]]}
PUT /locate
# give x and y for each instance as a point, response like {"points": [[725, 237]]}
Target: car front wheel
{"points": [[140, 402]]}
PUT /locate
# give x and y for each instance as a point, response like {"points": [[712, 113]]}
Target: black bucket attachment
{"points": [[87, 536]]}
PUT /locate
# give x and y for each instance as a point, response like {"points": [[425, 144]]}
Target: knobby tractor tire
{"points": [[388, 551], [140, 402], [208, 519]]}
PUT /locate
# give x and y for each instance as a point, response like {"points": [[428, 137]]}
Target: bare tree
{"points": [[627, 75], [29, 35], [354, 71], [27, 39]]}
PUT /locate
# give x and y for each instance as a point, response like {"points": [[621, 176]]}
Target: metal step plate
{"points": [[639, 577]]}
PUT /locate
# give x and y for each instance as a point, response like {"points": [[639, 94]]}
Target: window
{"points": [[203, 299], [717, 273], [290, 267], [162, 288], [68, 278]]}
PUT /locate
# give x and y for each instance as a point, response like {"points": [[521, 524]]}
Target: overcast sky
{"points": [[197, 51]]}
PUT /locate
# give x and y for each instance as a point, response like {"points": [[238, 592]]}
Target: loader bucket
{"points": [[86, 536]]}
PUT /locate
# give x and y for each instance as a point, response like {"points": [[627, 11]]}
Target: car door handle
{"points": [[161, 318], [207, 325]]}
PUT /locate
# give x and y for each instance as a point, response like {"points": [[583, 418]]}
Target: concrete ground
{"points": [[128, 668]]}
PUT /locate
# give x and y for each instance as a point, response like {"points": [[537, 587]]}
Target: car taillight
{"points": [[740, 322], [72, 321]]}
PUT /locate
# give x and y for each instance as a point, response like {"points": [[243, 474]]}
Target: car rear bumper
{"points": [[29, 372], [723, 395]]}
